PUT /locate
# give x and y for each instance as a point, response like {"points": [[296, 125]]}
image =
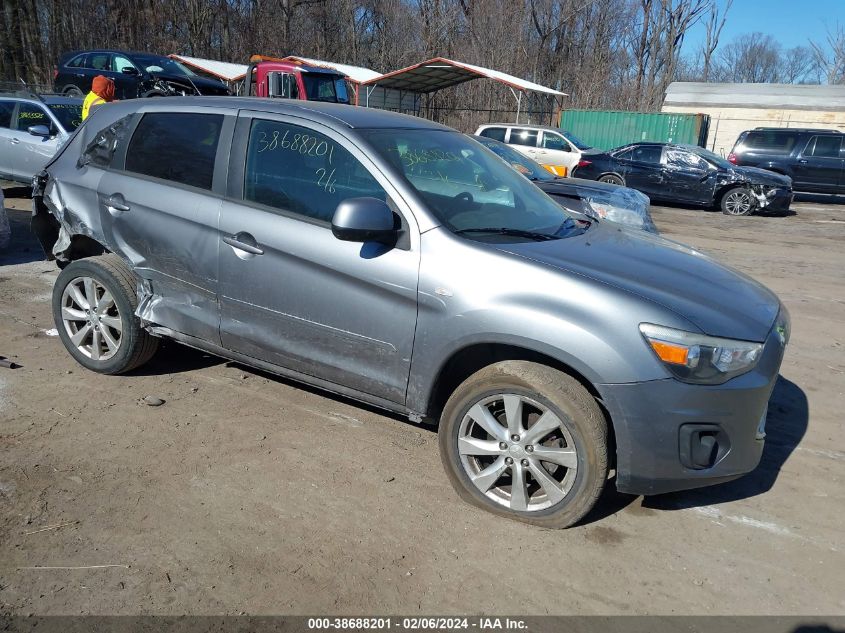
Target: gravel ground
{"points": [[246, 493]]}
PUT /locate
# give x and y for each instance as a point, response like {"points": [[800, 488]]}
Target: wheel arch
{"points": [[467, 360]]}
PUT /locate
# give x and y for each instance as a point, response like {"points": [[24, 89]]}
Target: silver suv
{"points": [[403, 264], [32, 129]]}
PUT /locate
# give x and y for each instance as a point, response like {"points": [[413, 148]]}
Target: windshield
{"points": [[706, 154], [155, 64], [520, 162], [68, 114], [320, 87], [577, 142], [469, 188]]}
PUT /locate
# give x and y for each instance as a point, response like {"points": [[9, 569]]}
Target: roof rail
{"points": [[799, 129]]}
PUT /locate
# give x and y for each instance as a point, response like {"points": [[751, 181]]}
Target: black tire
{"points": [[612, 179], [582, 422], [738, 201], [134, 345], [72, 91]]}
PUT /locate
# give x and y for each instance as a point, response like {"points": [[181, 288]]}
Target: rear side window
{"points": [[770, 141], [30, 114], [77, 62], [824, 146], [176, 146], [100, 151], [303, 172], [6, 109], [524, 137], [496, 133]]}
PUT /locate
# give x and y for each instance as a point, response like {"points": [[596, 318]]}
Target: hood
{"points": [[757, 176], [204, 85], [718, 300], [579, 186]]}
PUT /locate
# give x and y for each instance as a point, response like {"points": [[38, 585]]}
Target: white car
{"points": [[556, 150]]}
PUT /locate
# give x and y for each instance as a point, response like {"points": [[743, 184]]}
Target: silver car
{"points": [[32, 129], [401, 263]]}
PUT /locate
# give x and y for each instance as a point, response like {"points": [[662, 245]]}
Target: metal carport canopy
{"points": [[438, 73]]}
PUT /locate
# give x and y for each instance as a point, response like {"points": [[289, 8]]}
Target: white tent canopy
{"points": [[355, 73]]}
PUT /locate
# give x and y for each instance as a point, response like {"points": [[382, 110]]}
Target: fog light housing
{"points": [[702, 446]]}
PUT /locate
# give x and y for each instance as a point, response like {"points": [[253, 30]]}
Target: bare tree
{"points": [[713, 31], [751, 58], [830, 55]]}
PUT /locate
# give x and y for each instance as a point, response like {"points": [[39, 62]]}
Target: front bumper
{"points": [[655, 420], [780, 201]]}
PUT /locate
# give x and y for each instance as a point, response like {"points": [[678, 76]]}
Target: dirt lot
{"points": [[246, 493]]}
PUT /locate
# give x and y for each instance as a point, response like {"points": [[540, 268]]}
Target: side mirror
{"points": [[39, 130], [129, 70], [365, 220]]}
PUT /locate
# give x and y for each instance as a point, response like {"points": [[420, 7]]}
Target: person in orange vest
{"points": [[102, 91]]}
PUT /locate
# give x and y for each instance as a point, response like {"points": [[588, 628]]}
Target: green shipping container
{"points": [[606, 129]]}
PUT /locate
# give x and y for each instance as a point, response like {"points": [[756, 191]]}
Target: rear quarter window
{"points": [[6, 109], [176, 146], [496, 133], [770, 141]]}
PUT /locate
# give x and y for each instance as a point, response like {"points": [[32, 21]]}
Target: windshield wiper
{"points": [[531, 235]]}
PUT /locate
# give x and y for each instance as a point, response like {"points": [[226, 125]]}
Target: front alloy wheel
{"points": [[738, 201], [517, 452], [525, 441]]}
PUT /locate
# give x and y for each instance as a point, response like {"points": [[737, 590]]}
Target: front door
{"points": [[290, 292], [689, 177], [161, 207], [820, 165], [32, 152]]}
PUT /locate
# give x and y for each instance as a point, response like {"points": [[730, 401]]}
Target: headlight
{"points": [[699, 358]]}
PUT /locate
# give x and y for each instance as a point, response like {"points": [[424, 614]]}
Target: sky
{"points": [[790, 22]]}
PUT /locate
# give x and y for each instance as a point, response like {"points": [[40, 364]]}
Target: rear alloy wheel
{"points": [[738, 201], [525, 441], [72, 91], [94, 305], [612, 179]]}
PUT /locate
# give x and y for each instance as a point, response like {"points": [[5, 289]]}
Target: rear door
{"points": [[290, 292], [98, 63], [525, 140], [820, 164], [7, 148], [160, 208], [555, 151], [642, 169]]}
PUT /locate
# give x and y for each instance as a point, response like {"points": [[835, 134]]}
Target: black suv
{"points": [[814, 159], [134, 75]]}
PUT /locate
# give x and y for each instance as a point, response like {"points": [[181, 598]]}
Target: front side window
{"points": [[301, 171], [120, 62], [68, 114], [680, 159], [524, 137], [824, 146], [30, 114], [496, 133], [468, 188], [176, 146]]}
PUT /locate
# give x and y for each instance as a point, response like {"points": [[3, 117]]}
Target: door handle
{"points": [[803, 161], [14, 141], [116, 202], [237, 241]]}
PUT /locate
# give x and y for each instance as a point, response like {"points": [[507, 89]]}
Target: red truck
{"points": [[285, 79]]}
